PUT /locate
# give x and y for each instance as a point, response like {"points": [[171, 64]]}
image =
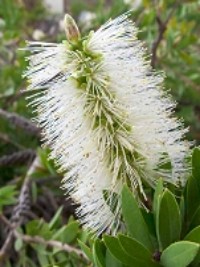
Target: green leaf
{"points": [[179, 254], [111, 261], [194, 235], [134, 220], [169, 220], [86, 250], [55, 218], [43, 259], [156, 204], [150, 222], [135, 249], [67, 233], [158, 192], [7, 195], [7, 190], [115, 248], [99, 251], [192, 197], [196, 165], [38, 227], [18, 244], [113, 245], [182, 208], [195, 221]]}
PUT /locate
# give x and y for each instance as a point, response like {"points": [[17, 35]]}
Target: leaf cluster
{"points": [[167, 235]]}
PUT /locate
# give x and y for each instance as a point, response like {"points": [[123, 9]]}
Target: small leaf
{"points": [[67, 233], [150, 222], [38, 227], [196, 165], [99, 253], [195, 221], [194, 235], [192, 197], [86, 250], [169, 220], [156, 204], [7, 195], [112, 243], [111, 261], [179, 254], [55, 218], [7, 190], [18, 244], [182, 209], [43, 259], [115, 248], [134, 220], [135, 249], [158, 192]]}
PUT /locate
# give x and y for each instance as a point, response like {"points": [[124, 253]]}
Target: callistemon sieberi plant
{"points": [[105, 117]]}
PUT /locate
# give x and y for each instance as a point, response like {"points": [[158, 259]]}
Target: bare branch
{"points": [[19, 211], [20, 122], [162, 26], [39, 240], [18, 158]]}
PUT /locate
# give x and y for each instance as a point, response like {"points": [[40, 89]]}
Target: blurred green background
{"points": [[170, 31]]}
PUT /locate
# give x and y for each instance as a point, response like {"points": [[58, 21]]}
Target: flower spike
{"points": [[106, 118]]}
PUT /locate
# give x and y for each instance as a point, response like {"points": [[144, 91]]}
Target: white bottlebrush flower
{"points": [[105, 117]]}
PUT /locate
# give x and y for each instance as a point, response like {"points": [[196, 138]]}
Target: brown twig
{"points": [[39, 240], [17, 158], [49, 179], [20, 122], [23, 205], [162, 26]]}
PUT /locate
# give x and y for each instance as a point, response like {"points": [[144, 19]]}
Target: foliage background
{"points": [[170, 31]]}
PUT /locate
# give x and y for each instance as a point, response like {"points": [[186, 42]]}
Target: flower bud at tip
{"points": [[71, 29]]}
